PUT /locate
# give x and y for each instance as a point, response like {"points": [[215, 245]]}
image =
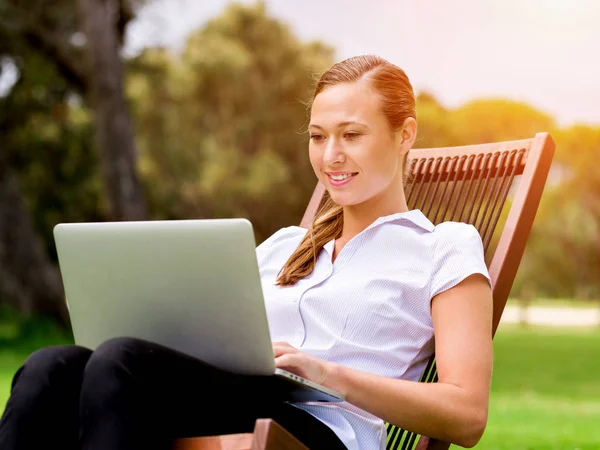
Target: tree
{"points": [[222, 126], [100, 22], [569, 227], [434, 125], [28, 281], [490, 120], [46, 169], [32, 123], [56, 31]]}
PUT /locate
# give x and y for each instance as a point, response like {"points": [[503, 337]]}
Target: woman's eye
{"points": [[316, 137], [351, 135]]}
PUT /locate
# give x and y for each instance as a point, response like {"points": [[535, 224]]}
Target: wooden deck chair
{"points": [[468, 184]]}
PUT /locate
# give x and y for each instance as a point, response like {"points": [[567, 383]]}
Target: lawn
{"points": [[545, 393], [545, 390], [18, 338]]}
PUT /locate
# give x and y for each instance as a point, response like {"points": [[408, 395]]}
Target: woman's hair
{"points": [[397, 102]]}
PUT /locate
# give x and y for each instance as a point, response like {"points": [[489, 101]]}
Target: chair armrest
{"points": [[268, 435]]}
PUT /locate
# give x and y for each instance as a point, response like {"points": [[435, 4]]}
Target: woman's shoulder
{"points": [[455, 229], [281, 239], [458, 253], [457, 237], [283, 235]]}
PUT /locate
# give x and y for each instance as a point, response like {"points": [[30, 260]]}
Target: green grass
{"points": [[545, 391], [19, 338]]}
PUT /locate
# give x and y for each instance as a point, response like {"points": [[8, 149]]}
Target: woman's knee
{"points": [[110, 370], [114, 358], [49, 370], [117, 351], [53, 363]]}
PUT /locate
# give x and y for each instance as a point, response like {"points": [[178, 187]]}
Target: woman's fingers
{"points": [[282, 344], [288, 361], [280, 348]]}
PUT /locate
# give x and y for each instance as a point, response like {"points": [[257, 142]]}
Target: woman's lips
{"points": [[337, 183]]}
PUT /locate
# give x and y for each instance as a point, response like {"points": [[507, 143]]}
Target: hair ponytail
{"points": [[328, 225]]}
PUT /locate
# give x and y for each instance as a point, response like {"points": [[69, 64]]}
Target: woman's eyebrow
{"points": [[339, 125], [351, 122]]}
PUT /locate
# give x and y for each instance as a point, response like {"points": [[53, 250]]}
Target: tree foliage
{"points": [[220, 132], [47, 171], [222, 125]]}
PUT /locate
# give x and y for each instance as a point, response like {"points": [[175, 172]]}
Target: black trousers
{"points": [[133, 394]]}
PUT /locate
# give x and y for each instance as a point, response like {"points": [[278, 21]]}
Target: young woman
{"points": [[353, 303]]}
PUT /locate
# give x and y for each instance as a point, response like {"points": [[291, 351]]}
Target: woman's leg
{"points": [[305, 427], [42, 411], [136, 394]]}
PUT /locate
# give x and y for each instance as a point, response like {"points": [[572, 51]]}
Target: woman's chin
{"points": [[344, 199]]}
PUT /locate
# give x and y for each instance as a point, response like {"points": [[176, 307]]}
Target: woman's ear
{"points": [[406, 136], [409, 133]]}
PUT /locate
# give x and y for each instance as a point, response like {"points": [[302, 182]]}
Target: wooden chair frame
{"points": [[267, 435], [487, 171]]}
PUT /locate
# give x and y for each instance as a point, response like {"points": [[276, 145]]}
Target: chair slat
{"points": [[454, 181], [436, 185], [452, 163], [479, 196], [412, 186], [493, 201], [489, 187], [501, 198]]}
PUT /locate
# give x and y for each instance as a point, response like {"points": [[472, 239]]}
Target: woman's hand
{"points": [[299, 363]]}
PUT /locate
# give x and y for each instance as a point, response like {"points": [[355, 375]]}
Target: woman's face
{"points": [[353, 151]]}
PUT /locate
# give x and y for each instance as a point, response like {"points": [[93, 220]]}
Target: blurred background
{"points": [[176, 109]]}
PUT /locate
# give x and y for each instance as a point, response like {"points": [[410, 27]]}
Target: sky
{"points": [[543, 52]]}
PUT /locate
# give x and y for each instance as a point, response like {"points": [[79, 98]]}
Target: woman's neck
{"points": [[358, 217]]}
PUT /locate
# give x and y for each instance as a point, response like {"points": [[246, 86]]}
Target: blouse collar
{"points": [[414, 216]]}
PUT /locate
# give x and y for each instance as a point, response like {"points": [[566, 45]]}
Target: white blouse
{"points": [[370, 309]]}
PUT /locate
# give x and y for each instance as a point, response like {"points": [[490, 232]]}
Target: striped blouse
{"points": [[370, 309]]}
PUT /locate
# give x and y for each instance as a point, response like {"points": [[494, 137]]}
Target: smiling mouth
{"points": [[342, 177], [341, 180]]}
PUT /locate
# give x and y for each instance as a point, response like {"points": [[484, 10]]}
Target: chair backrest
{"points": [[471, 184]]}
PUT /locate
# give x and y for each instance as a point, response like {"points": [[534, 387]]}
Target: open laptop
{"points": [[191, 285]]}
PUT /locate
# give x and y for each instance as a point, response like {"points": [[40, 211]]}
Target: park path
{"points": [[553, 316]]}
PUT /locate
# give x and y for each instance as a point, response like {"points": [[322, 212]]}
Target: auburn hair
{"points": [[397, 102]]}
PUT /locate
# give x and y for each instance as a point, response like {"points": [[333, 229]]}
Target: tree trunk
{"points": [[29, 281], [114, 130]]}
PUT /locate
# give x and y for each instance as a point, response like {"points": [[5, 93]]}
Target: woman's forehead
{"points": [[345, 102]]}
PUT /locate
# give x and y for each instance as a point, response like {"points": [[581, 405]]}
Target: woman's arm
{"points": [[454, 409]]}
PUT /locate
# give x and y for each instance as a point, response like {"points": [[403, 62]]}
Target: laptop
{"points": [[190, 285]]}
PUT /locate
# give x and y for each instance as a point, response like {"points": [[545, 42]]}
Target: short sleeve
{"points": [[269, 246], [458, 254]]}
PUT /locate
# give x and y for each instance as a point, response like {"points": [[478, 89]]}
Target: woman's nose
{"points": [[333, 153]]}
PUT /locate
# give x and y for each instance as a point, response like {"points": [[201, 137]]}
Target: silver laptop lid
{"points": [[190, 285]]}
